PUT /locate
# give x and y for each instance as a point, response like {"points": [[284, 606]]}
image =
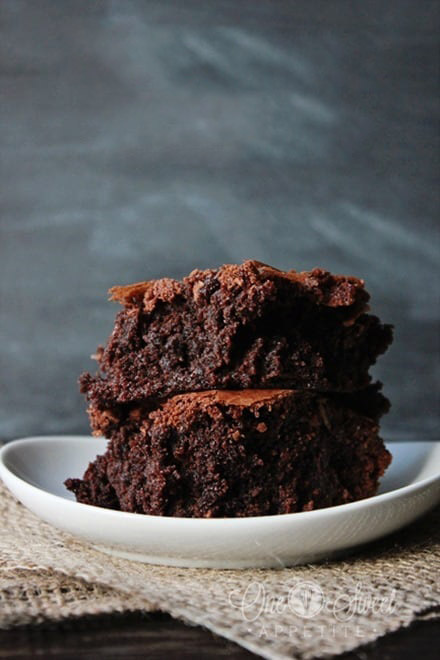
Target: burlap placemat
{"points": [[302, 612]]}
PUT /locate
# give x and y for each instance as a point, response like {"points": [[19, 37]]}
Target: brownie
{"points": [[237, 327], [237, 453]]}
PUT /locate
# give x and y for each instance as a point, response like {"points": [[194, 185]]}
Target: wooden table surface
{"points": [[158, 636]]}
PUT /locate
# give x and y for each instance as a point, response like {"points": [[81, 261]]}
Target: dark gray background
{"points": [[142, 139]]}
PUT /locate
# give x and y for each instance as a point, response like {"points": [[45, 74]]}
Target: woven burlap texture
{"points": [[302, 612]]}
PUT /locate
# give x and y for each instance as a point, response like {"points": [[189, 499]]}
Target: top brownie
{"points": [[240, 326]]}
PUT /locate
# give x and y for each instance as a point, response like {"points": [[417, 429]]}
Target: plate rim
{"points": [[329, 511]]}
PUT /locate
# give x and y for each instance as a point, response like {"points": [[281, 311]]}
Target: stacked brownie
{"points": [[235, 392]]}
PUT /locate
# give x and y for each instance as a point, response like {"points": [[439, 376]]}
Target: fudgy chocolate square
{"points": [[237, 453], [240, 326]]}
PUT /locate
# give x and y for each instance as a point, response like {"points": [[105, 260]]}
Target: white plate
{"points": [[34, 470]]}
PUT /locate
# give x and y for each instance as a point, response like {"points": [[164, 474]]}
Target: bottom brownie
{"points": [[238, 453]]}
